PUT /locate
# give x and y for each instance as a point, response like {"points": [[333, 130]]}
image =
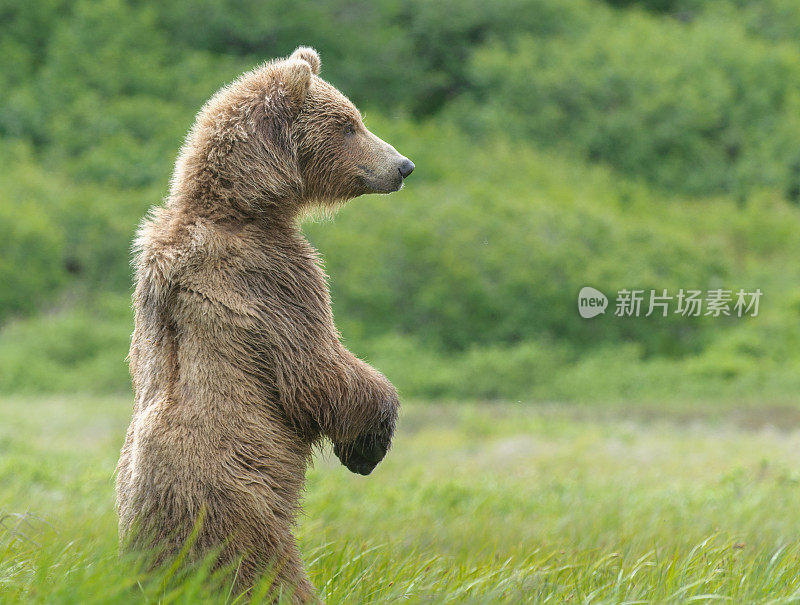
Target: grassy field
{"points": [[476, 503]]}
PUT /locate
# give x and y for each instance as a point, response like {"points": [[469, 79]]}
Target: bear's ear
{"points": [[310, 56], [296, 76]]}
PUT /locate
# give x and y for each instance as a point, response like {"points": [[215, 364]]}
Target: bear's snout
{"points": [[406, 167], [385, 168]]}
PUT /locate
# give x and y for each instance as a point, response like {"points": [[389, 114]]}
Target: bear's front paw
{"points": [[362, 455]]}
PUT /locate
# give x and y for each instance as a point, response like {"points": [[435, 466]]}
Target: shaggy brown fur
{"points": [[236, 363]]}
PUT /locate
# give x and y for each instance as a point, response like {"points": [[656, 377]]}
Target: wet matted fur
{"points": [[237, 366]]}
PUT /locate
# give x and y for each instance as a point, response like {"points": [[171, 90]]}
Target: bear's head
{"points": [[280, 137], [338, 157]]}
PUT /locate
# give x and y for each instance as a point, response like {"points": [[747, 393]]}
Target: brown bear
{"points": [[237, 366]]}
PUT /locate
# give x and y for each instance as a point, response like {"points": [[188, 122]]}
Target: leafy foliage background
{"points": [[614, 144]]}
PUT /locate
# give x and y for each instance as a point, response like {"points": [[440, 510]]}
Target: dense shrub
{"points": [[559, 144], [698, 109], [81, 350], [494, 246]]}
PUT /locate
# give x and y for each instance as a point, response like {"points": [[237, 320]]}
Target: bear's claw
{"points": [[362, 455]]}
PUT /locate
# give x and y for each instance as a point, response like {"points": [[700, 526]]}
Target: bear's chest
{"points": [[255, 282]]}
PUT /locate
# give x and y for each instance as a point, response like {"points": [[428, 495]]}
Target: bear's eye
{"points": [[349, 128]]}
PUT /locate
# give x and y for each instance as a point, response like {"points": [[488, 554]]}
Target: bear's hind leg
{"points": [[282, 567]]}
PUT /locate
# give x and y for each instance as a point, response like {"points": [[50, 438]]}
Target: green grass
{"points": [[476, 503]]}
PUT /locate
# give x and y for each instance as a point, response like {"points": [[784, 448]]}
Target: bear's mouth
{"points": [[381, 183]]}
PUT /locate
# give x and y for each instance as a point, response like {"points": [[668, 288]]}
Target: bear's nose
{"points": [[406, 167]]}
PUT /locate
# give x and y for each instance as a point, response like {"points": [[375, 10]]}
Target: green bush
{"points": [[494, 245], [697, 109], [83, 350], [558, 144]]}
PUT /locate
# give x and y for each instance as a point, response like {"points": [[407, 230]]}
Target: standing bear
{"points": [[236, 363]]}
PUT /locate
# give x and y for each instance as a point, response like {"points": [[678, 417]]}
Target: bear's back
{"points": [[212, 324], [223, 310]]}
